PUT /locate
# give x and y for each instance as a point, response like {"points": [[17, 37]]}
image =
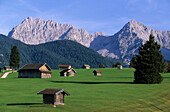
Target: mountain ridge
{"points": [[120, 46], [40, 31]]}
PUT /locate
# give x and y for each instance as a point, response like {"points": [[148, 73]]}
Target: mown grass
{"points": [[114, 91]]}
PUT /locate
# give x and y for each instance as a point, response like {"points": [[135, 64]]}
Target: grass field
{"points": [[112, 92]]}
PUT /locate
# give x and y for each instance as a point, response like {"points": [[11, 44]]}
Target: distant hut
{"points": [[97, 73], [53, 96], [7, 68], [68, 72], [119, 67], [86, 66], [38, 70], [62, 67]]}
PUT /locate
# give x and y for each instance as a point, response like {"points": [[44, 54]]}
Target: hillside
{"points": [[53, 53], [120, 46]]}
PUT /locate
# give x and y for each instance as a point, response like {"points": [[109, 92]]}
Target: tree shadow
{"points": [[14, 104], [92, 82]]}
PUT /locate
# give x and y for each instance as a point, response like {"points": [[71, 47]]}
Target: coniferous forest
{"points": [[53, 53]]}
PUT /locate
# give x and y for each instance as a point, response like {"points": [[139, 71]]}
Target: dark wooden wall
{"points": [[29, 74]]}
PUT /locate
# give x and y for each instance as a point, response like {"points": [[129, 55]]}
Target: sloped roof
{"points": [[53, 91], [7, 66], [42, 71], [86, 65], [98, 71], [68, 70], [34, 66], [64, 65]]}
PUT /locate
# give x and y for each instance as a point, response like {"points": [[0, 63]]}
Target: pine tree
{"points": [[132, 62], [149, 63], [101, 66], [168, 66], [14, 58], [118, 63], [165, 67]]}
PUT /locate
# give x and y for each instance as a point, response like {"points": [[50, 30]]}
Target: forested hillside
{"points": [[53, 53]]}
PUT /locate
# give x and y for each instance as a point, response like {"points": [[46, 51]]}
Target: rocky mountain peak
{"points": [[132, 21], [99, 33], [122, 46], [37, 31]]}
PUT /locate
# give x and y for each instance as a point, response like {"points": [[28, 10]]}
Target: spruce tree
{"points": [[118, 63], [149, 63], [132, 62], [14, 58], [101, 66]]}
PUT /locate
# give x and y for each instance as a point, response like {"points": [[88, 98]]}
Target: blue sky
{"points": [[107, 16]]}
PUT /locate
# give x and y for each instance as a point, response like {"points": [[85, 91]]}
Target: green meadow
{"points": [[114, 91]]}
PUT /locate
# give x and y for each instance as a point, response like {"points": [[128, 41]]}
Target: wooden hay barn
{"points": [[38, 70], [97, 73], [62, 67], [7, 68], [119, 67], [68, 72], [86, 66], [53, 96]]}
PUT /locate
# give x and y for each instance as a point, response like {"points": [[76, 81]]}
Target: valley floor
{"points": [[114, 91]]}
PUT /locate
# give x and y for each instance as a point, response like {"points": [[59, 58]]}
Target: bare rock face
{"points": [[125, 43], [121, 46], [37, 31]]}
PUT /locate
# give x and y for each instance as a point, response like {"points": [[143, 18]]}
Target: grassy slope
{"points": [[113, 91]]}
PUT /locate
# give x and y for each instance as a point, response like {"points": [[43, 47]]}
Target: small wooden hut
{"points": [[7, 68], [97, 73], [53, 96], [119, 67], [86, 66], [68, 72], [62, 67], [37, 70]]}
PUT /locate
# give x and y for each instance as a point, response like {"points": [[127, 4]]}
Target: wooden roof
{"points": [[98, 71], [7, 67], [42, 71], [64, 65], [86, 65], [68, 70], [53, 91], [34, 66]]}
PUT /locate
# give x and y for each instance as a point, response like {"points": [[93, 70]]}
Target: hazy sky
{"points": [[107, 16]]}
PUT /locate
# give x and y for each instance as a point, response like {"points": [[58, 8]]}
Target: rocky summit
{"points": [[125, 43], [37, 31], [120, 46]]}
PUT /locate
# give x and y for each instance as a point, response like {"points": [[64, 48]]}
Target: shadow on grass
{"points": [[14, 104], [92, 82]]}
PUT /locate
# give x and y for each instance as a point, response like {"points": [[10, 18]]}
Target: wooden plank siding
{"points": [[29, 74], [43, 68], [37, 70], [53, 96], [45, 75]]}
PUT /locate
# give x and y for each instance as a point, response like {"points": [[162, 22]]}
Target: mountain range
{"points": [[120, 46], [53, 53]]}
